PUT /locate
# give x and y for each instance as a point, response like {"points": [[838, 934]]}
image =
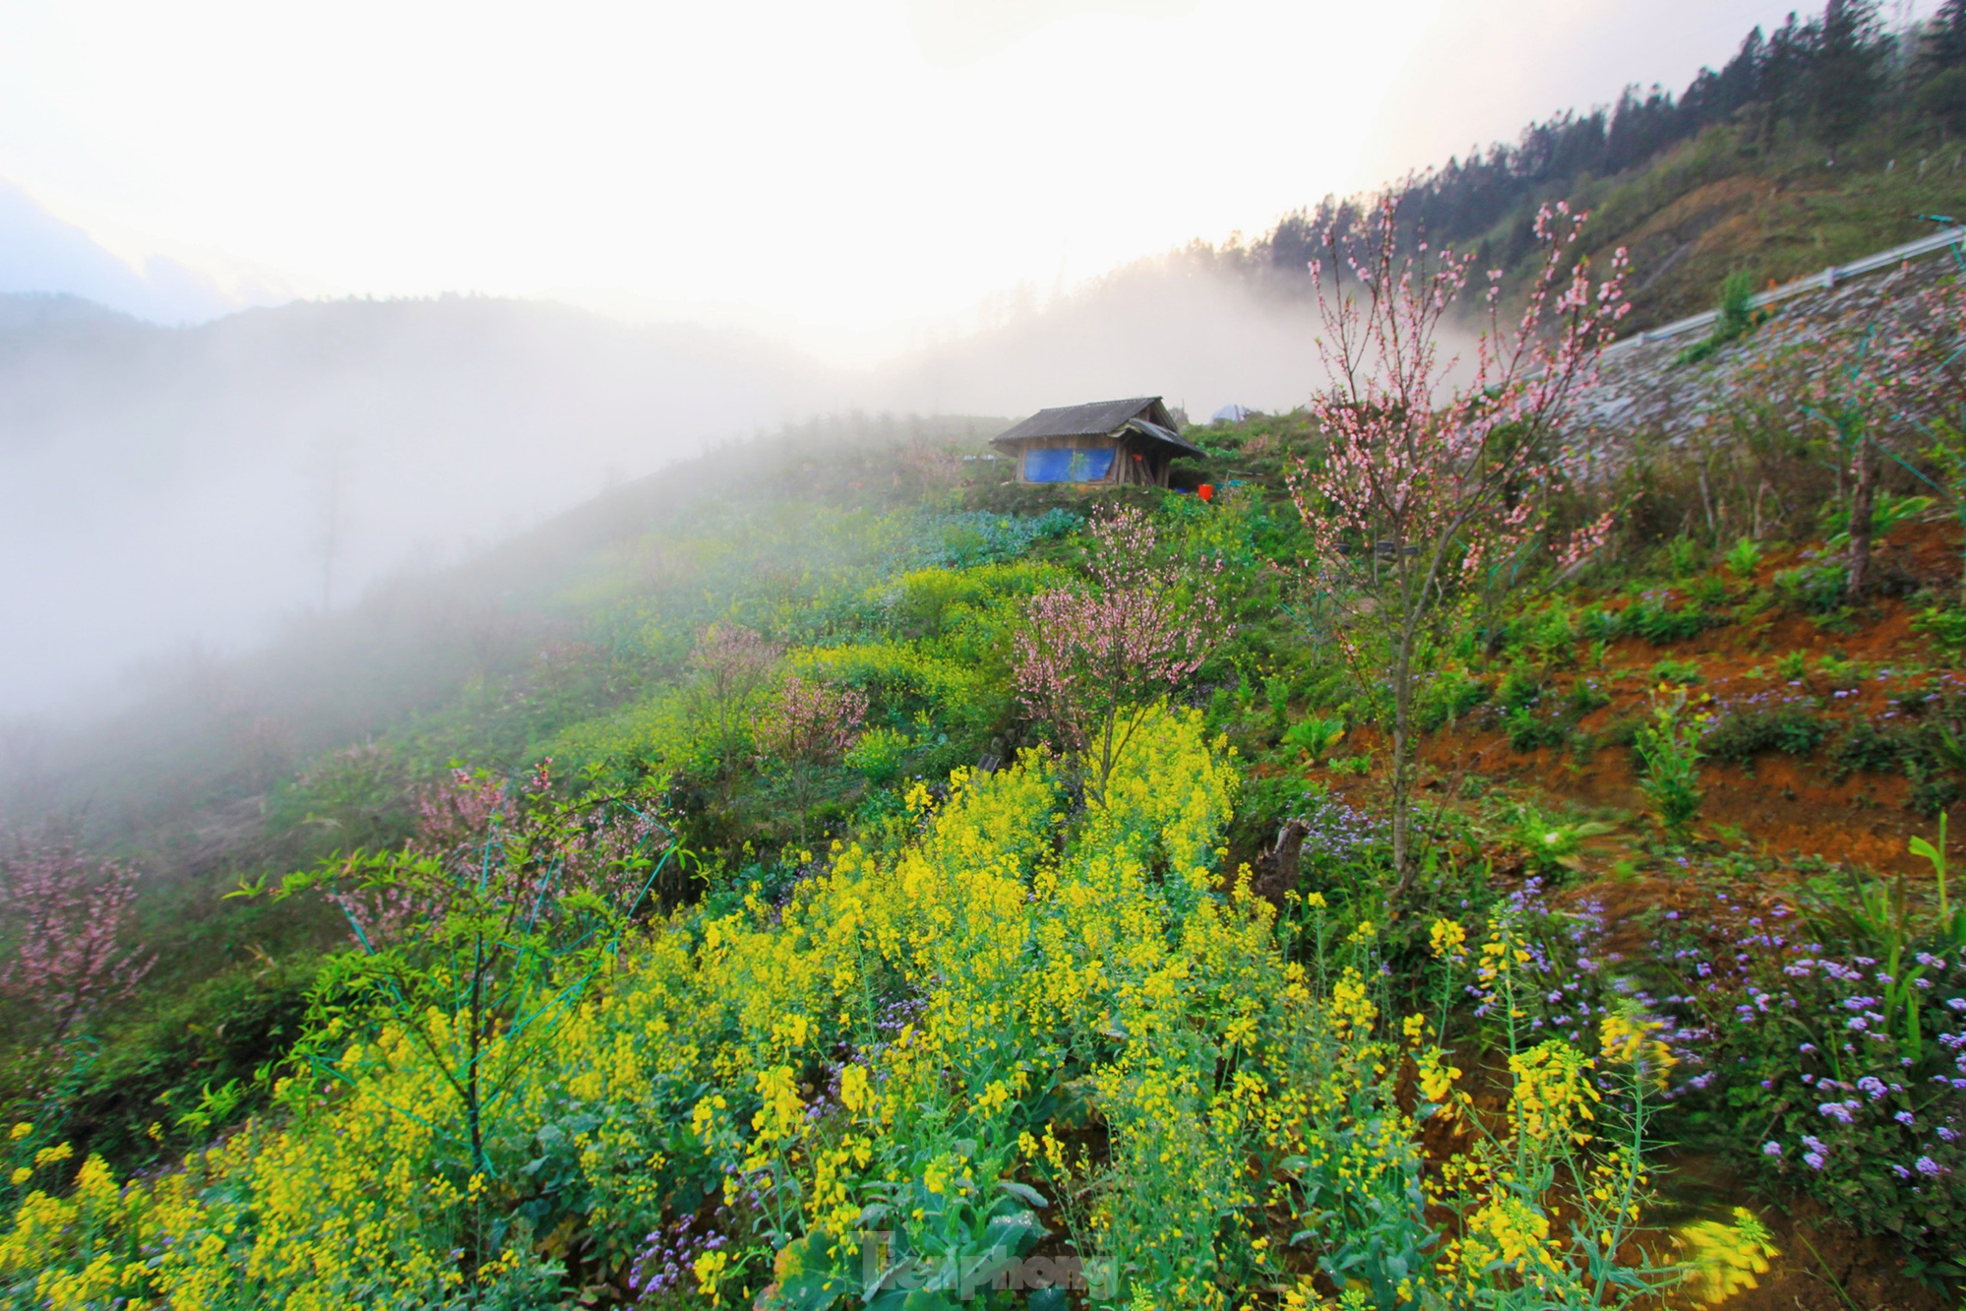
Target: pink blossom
{"points": [[68, 917], [1089, 658], [1427, 487]]}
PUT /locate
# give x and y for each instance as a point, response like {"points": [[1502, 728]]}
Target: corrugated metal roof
{"points": [[1168, 435], [1146, 416]]}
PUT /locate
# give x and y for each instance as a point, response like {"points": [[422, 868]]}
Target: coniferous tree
{"points": [[1941, 68], [1783, 63], [1944, 47], [1846, 68]]}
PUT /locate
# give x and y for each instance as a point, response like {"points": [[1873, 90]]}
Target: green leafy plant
{"points": [[1868, 748], [1734, 318], [1450, 697], [1837, 671], [1683, 672], [1527, 731], [1684, 557], [1744, 557], [1739, 737], [1584, 697], [1668, 751], [1811, 589], [1887, 512], [1315, 737], [1951, 923], [1550, 843], [1521, 687], [1945, 625], [879, 754], [1660, 622]]}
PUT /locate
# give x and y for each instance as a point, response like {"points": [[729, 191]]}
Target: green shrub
{"points": [[1933, 794], [1744, 558], [1552, 638], [1601, 625], [1839, 673], [1668, 751], [1734, 318], [1448, 698], [1815, 589], [879, 755], [1945, 625], [1684, 557], [1683, 672], [1315, 737], [1661, 623], [1867, 748], [1886, 512], [1521, 687], [1527, 732], [1743, 735], [1276, 690], [1584, 697], [1709, 591]]}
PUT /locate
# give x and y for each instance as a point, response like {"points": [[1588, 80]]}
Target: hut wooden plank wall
{"points": [[1106, 443]]}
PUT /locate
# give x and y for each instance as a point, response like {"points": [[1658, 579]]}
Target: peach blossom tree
{"points": [[808, 726], [1092, 659], [67, 919], [1438, 471]]}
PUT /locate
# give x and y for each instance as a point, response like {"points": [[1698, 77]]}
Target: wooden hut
{"points": [[1109, 443]]}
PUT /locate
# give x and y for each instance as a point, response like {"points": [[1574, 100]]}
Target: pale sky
{"points": [[842, 168]]}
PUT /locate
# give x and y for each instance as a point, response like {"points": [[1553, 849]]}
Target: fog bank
{"points": [[169, 488]]}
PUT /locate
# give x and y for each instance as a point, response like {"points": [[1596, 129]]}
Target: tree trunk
{"points": [[1862, 498], [1402, 762]]}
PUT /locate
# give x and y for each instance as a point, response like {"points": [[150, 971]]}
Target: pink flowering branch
{"points": [[1428, 483], [810, 725], [729, 667], [1091, 659], [68, 918]]}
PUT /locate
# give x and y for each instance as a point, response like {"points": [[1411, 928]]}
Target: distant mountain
{"points": [[167, 486], [52, 312], [41, 253]]}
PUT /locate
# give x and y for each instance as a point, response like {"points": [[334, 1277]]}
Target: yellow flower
{"points": [[1633, 1041], [854, 1093], [1553, 1093], [1722, 1259], [709, 1268], [1447, 939], [20, 1131], [704, 1117]]}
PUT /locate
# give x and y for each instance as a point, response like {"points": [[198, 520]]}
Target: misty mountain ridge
{"points": [[191, 485]]}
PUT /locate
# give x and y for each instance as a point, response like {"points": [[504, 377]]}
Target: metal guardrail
{"points": [[1823, 281]]}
